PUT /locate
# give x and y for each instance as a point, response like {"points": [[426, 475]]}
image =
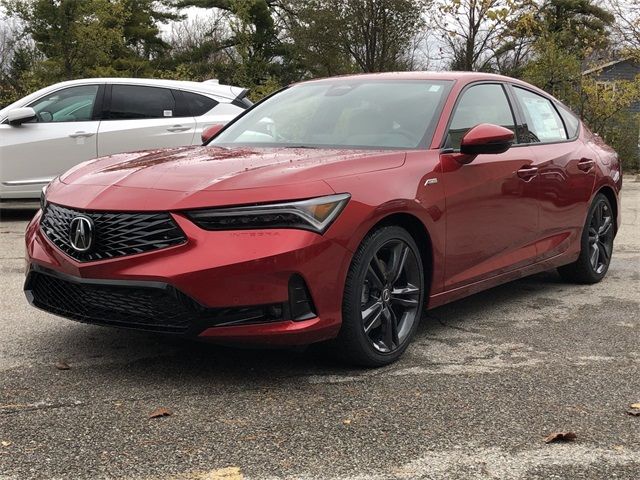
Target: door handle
{"points": [[178, 128], [586, 164], [527, 173], [81, 135]]}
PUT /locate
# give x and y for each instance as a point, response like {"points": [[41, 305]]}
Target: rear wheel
{"points": [[383, 298], [596, 245]]}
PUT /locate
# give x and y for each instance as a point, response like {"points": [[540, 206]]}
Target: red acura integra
{"points": [[335, 210]]}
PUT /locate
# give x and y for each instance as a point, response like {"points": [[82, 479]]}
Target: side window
{"points": [[198, 104], [543, 121], [486, 103], [570, 121], [131, 102], [73, 104]]}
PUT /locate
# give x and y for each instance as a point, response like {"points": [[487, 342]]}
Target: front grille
{"points": [[140, 305], [115, 233]]}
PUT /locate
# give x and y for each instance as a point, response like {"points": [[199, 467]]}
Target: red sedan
{"points": [[335, 210]]}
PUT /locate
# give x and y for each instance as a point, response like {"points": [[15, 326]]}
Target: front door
{"points": [[63, 135], [491, 204]]}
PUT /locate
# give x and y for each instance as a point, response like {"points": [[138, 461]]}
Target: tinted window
{"points": [[73, 104], [135, 102], [343, 113], [485, 103], [543, 122], [570, 121], [198, 104]]}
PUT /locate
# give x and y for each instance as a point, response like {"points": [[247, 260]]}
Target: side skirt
{"points": [[467, 290]]}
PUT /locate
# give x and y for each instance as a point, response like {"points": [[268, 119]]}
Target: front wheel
{"points": [[596, 245], [383, 298]]}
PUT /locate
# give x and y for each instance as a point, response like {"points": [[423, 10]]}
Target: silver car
{"points": [[53, 129]]}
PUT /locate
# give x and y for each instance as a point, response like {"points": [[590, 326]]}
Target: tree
{"points": [[377, 33], [340, 36], [198, 47], [315, 42], [84, 37], [141, 26], [480, 35], [18, 57], [626, 27], [254, 52], [75, 36], [555, 70], [578, 25]]}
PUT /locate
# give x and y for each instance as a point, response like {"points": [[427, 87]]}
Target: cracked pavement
{"points": [[485, 380]]}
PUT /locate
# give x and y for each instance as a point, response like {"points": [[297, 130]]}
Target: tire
{"points": [[384, 290], [596, 243]]}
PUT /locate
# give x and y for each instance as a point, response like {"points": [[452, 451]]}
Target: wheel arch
{"points": [[421, 236], [608, 192]]}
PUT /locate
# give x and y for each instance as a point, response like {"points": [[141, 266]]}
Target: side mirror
{"points": [[18, 116], [486, 138], [210, 132]]}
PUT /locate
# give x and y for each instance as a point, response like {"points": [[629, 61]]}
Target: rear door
{"points": [[63, 135], [566, 170], [491, 203], [139, 117]]}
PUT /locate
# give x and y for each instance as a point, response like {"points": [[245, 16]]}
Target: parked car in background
{"points": [[337, 209], [46, 133]]}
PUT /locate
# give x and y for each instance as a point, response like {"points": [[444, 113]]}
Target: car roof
{"points": [[226, 91], [456, 76], [464, 77]]}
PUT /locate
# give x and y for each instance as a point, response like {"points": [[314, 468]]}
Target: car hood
{"points": [[192, 169], [197, 176]]}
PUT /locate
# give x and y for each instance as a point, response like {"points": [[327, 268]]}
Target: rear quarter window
{"points": [[198, 104], [571, 122]]}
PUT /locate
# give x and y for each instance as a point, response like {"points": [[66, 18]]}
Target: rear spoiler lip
{"points": [[241, 99], [236, 95]]}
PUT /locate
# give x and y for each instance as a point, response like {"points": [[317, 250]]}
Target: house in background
{"points": [[607, 74]]}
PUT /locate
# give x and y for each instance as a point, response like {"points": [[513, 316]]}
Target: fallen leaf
{"points": [[560, 437], [4, 443], [62, 365], [635, 406], [160, 412], [634, 412]]}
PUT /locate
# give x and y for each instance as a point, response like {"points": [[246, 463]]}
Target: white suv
{"points": [[46, 133]]}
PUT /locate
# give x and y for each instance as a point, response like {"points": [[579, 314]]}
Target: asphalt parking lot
{"points": [[486, 379]]}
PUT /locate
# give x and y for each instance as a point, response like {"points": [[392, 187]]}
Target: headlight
{"points": [[315, 214]]}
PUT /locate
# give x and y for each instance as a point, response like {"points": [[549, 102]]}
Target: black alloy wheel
{"points": [[596, 244], [601, 237], [390, 295], [383, 299]]}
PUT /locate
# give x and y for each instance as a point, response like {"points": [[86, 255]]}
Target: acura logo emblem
{"points": [[81, 233]]}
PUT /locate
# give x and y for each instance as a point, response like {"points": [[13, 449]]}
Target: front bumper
{"points": [[240, 286]]}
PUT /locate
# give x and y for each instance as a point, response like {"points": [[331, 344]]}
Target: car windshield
{"points": [[371, 114]]}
